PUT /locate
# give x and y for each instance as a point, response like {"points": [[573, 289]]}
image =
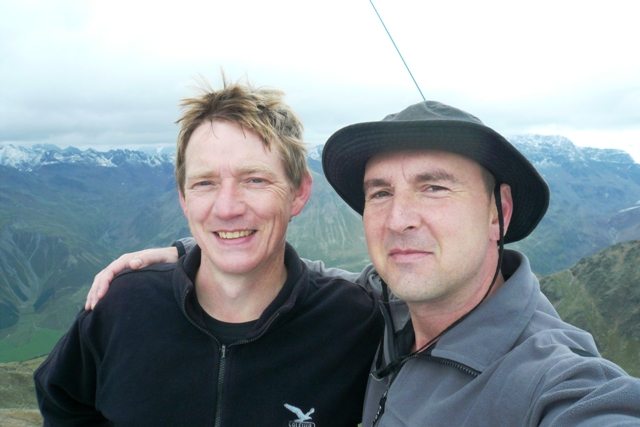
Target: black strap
{"points": [[581, 352]]}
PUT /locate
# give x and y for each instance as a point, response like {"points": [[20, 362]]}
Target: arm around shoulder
{"points": [[368, 278]]}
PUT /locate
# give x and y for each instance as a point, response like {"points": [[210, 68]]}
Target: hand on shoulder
{"points": [[135, 261]]}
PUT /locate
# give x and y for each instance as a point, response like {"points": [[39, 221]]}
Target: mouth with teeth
{"points": [[234, 234]]}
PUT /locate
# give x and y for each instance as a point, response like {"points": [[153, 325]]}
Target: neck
{"points": [[431, 318], [237, 298]]}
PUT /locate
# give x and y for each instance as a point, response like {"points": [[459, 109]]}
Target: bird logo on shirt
{"points": [[303, 419]]}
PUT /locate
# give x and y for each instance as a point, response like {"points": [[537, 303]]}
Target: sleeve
{"points": [[184, 245], [368, 278], [66, 382], [593, 393]]}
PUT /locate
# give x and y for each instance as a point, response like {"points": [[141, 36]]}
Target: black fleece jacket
{"points": [[143, 356]]}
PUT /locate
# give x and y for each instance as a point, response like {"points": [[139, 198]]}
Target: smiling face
{"points": [[238, 200], [430, 224]]}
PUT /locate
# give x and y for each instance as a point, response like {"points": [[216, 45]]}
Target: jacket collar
{"points": [[294, 288], [502, 317]]}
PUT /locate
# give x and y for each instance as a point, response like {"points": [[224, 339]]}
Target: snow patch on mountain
{"points": [[543, 151], [29, 159], [315, 152], [629, 209], [557, 150]]}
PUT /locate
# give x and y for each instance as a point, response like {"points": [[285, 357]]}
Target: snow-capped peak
{"points": [[28, 159], [559, 149], [315, 152]]}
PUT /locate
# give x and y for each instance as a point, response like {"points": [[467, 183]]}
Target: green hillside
{"points": [[60, 223], [601, 294]]}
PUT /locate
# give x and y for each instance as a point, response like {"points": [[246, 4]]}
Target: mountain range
{"points": [[65, 214]]}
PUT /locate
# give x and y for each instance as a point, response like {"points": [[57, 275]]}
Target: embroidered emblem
{"points": [[304, 420]]}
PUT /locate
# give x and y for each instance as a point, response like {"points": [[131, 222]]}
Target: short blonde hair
{"points": [[262, 110]]}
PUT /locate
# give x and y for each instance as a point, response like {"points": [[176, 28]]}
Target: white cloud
{"points": [[98, 72]]}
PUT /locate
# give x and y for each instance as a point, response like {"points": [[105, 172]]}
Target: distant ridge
{"points": [[64, 214], [557, 148], [29, 159], [539, 149]]}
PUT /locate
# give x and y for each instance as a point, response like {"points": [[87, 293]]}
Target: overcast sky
{"points": [[110, 74]]}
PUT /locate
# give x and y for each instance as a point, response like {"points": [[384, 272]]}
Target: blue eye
{"points": [[380, 194]]}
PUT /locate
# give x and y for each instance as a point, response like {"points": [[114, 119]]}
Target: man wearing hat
{"points": [[470, 340], [476, 343]]}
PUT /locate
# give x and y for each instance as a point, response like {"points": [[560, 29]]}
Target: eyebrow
{"points": [[374, 183], [434, 176], [248, 170], [200, 175], [252, 169]]}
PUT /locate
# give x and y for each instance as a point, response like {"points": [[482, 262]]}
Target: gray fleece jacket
{"points": [[512, 362]]}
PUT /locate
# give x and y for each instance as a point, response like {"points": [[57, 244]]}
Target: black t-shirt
{"points": [[228, 333]]}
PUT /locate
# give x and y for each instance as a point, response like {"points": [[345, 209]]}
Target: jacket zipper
{"points": [[223, 353], [447, 362], [383, 400], [223, 362]]}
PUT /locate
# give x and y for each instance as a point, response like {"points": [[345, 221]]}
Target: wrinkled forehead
{"points": [[218, 143], [221, 129], [417, 159]]}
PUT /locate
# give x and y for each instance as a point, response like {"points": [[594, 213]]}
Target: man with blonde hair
{"points": [[238, 332], [470, 340]]}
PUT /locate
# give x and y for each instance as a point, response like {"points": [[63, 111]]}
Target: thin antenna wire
{"points": [[398, 50]]}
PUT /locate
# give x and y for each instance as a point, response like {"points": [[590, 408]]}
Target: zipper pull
{"points": [[383, 401]]}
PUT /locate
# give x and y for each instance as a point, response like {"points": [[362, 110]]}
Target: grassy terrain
{"points": [[601, 294], [18, 406], [16, 384], [20, 417], [41, 343]]}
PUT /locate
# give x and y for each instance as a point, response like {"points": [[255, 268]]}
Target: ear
{"points": [[301, 195], [507, 211]]}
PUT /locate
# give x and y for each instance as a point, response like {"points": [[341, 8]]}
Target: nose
{"points": [[229, 201], [403, 213]]}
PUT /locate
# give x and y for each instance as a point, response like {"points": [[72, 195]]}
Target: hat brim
{"points": [[346, 153]]}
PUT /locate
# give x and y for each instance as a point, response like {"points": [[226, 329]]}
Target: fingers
{"points": [[135, 260], [153, 256], [101, 282]]}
